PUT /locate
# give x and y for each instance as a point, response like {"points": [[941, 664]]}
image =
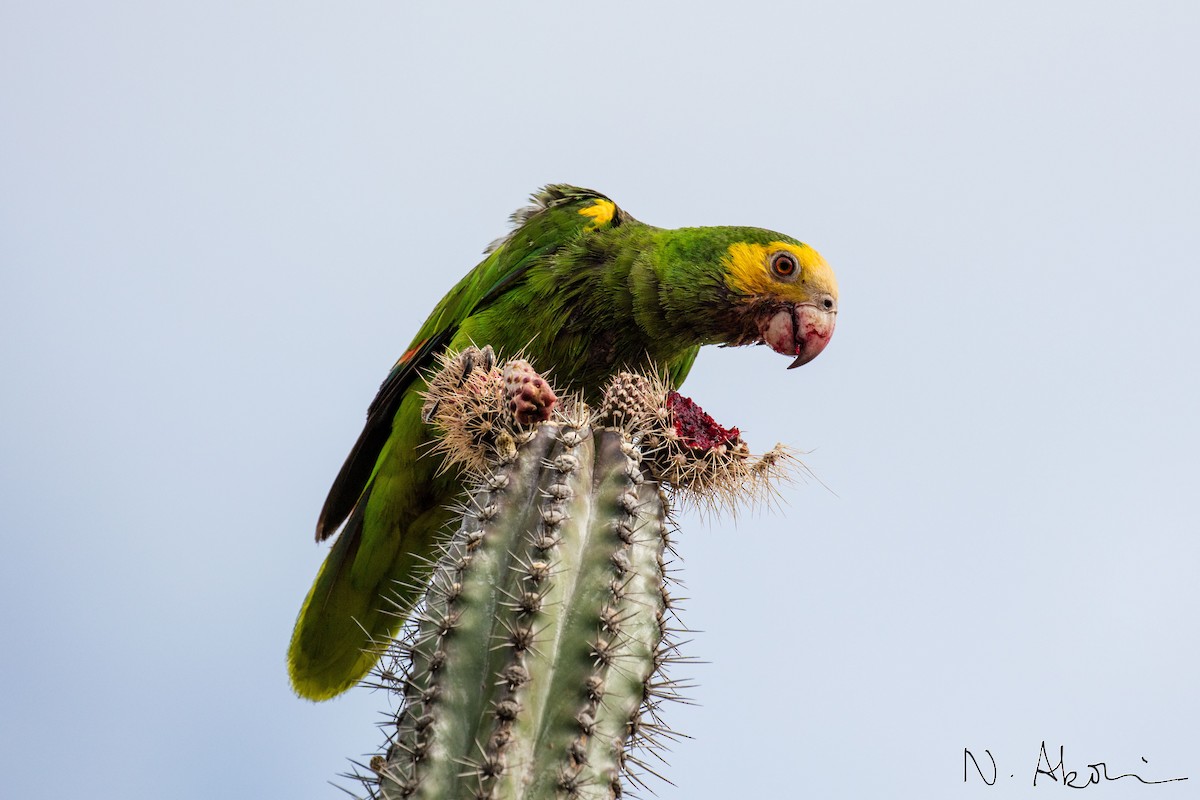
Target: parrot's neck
{"points": [[641, 277], [680, 293], [633, 297]]}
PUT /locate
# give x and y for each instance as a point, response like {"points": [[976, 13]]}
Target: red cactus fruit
{"points": [[529, 397], [695, 427]]}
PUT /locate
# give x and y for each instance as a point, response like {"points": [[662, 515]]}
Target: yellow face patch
{"points": [[748, 267], [601, 213]]}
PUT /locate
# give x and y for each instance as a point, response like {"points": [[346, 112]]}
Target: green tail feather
{"points": [[343, 628]]}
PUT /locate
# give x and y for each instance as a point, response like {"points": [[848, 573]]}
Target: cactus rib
{"points": [[538, 639]]}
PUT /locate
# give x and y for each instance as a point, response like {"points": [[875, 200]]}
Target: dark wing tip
{"points": [[324, 530]]}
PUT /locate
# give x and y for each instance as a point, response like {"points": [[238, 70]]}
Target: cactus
{"points": [[534, 668]]}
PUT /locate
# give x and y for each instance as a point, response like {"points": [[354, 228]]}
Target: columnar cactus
{"points": [[534, 667]]}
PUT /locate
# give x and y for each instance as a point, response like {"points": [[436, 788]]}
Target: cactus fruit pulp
{"points": [[541, 632]]}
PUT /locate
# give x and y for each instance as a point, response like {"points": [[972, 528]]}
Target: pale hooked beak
{"points": [[802, 330]]}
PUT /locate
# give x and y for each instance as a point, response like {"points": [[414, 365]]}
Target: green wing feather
{"points": [[540, 229], [389, 502]]}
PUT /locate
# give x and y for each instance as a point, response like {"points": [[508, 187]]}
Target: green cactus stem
{"points": [[534, 667], [541, 631]]}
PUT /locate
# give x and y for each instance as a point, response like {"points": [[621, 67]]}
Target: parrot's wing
{"points": [[559, 213], [356, 471]]}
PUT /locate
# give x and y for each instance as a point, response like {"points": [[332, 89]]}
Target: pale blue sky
{"points": [[220, 223]]}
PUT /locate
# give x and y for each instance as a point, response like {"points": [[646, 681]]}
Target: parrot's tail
{"points": [[333, 644], [348, 618]]}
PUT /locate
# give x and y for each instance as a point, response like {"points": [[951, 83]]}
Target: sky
{"points": [[220, 224]]}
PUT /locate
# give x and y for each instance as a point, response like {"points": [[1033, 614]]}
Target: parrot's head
{"points": [[787, 295]]}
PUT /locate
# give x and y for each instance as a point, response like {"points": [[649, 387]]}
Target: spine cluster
{"points": [[686, 451]]}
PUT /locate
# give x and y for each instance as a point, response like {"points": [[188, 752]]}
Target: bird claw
{"points": [[475, 358], [454, 375]]}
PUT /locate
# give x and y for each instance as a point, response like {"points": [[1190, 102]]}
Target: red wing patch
{"points": [[410, 353]]}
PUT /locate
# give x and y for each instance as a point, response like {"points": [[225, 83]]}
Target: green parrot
{"points": [[585, 290]]}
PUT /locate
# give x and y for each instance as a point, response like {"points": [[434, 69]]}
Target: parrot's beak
{"points": [[801, 331]]}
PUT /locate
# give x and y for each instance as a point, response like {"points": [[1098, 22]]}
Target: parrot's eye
{"points": [[784, 265]]}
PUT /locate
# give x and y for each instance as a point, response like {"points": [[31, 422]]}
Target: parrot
{"points": [[584, 290]]}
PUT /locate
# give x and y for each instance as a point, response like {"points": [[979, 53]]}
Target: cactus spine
{"points": [[533, 668]]}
